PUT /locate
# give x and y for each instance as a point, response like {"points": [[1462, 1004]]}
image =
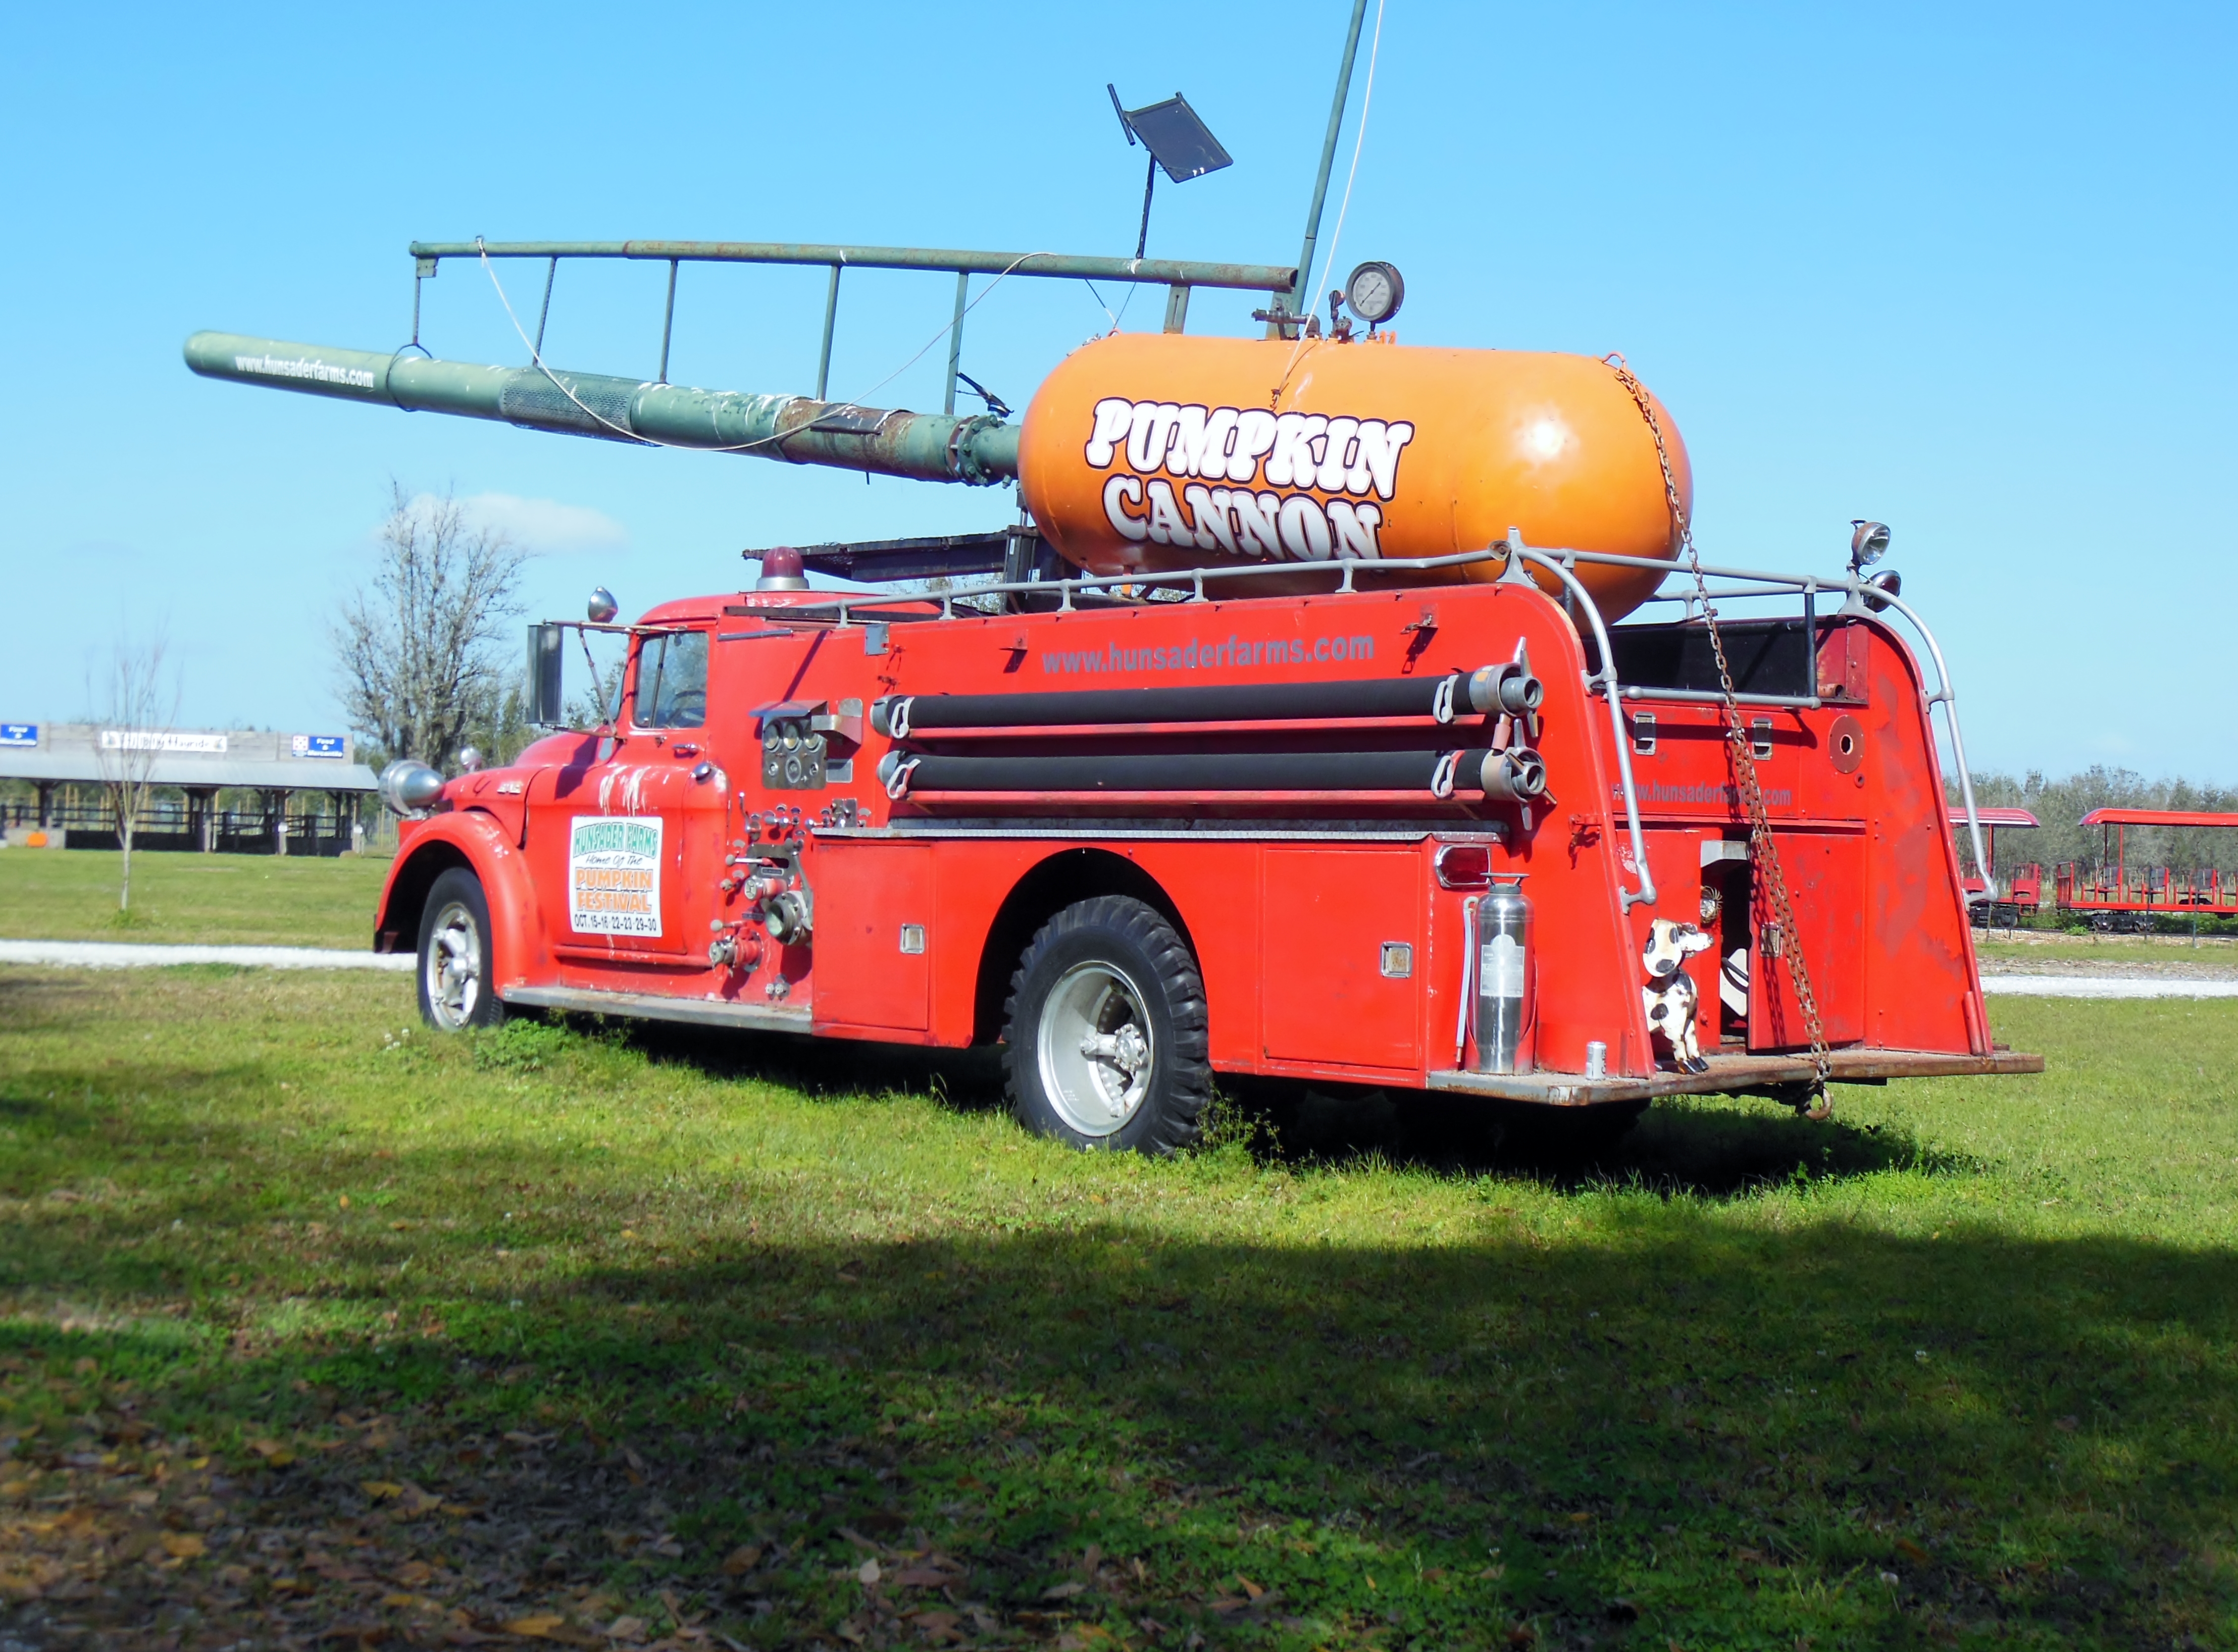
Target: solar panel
{"points": [[1177, 139]]}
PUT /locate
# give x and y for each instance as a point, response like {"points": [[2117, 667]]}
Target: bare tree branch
{"points": [[414, 648], [137, 705]]}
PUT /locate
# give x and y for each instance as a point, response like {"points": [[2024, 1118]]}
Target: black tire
{"points": [[1111, 969], [458, 979]]}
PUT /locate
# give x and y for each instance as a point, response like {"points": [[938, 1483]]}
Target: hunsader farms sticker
{"points": [[613, 875]]}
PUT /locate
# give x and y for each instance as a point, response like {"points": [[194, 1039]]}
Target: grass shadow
{"points": [[1843, 1435]]}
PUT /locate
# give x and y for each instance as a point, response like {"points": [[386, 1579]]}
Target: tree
{"points": [[416, 647], [137, 705]]}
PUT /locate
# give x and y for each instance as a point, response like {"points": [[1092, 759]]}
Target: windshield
{"points": [[671, 681]]}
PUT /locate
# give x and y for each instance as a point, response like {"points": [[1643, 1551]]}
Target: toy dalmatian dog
{"points": [[1669, 994]]}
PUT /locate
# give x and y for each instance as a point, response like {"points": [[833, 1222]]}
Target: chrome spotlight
{"points": [[409, 788], [1869, 542], [603, 605]]}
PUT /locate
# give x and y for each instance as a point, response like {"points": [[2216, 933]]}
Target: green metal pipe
{"points": [[926, 447], [1166, 272], [1301, 300]]}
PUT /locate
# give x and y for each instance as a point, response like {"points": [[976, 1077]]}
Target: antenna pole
{"points": [[1149, 183], [1298, 304]]}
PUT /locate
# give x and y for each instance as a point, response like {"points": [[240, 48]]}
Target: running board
{"points": [[652, 1007], [1731, 1073]]}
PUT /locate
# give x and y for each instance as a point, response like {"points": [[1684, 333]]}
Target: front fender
{"points": [[472, 839]]}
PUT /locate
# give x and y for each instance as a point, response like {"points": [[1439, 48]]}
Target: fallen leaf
{"points": [[925, 1577], [413, 1573], [627, 1629], [274, 1454], [867, 1572], [377, 1489], [1579, 1519], [1064, 1591], [343, 1202], [938, 1626], [1911, 1551], [744, 1558], [537, 1625], [183, 1545], [1249, 1588]]}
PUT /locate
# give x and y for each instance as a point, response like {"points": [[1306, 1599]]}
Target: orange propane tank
{"points": [[1152, 451]]}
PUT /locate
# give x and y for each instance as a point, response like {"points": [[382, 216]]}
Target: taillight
{"points": [[1463, 865]]}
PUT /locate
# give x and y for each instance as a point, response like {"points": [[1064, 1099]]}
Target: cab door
{"points": [[627, 849]]}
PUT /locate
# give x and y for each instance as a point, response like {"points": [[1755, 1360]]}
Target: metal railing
{"points": [[1177, 275], [1864, 598]]}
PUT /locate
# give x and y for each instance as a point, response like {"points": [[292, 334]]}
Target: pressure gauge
{"points": [[1374, 292]]}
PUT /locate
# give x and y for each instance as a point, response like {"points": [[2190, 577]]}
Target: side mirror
{"points": [[545, 658]]}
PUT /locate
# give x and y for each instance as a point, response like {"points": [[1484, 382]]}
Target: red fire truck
{"points": [[1278, 747], [845, 816]]}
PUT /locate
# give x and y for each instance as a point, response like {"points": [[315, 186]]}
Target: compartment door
{"points": [[874, 939], [606, 846], [1826, 886], [1326, 994]]}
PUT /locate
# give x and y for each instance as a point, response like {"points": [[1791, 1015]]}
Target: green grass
{"points": [[2110, 949], [312, 1324], [48, 894]]}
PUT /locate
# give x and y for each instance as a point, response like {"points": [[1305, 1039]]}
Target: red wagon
{"points": [[2024, 897], [2112, 896]]}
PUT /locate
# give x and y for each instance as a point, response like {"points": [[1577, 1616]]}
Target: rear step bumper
{"points": [[1729, 1074], [652, 1007]]}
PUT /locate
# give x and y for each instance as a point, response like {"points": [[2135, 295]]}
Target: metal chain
{"points": [[1763, 851]]}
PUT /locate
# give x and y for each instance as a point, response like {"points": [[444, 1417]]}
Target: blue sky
{"points": [[1969, 270]]}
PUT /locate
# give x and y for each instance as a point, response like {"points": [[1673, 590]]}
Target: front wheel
{"points": [[1105, 1029], [457, 980]]}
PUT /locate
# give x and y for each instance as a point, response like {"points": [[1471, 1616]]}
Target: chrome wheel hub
{"points": [[452, 967], [1095, 1048]]}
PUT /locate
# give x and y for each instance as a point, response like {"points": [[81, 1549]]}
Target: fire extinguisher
{"points": [[1504, 978]]}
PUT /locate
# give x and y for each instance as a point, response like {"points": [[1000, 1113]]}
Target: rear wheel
{"points": [[457, 982], [1105, 1029]]}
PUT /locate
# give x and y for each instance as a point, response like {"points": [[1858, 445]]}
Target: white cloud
{"points": [[542, 526]]}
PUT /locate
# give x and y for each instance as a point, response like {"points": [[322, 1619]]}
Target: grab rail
{"points": [[1519, 554]]}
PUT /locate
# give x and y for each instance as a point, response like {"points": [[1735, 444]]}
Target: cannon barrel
{"points": [[926, 447]]}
